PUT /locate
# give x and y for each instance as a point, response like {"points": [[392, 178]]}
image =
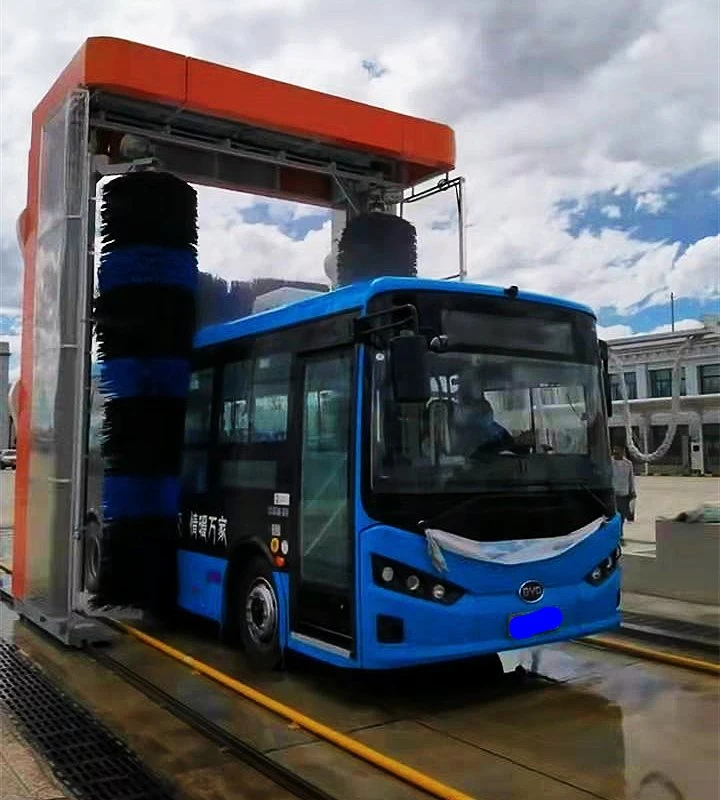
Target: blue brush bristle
{"points": [[143, 264], [134, 496], [145, 377]]}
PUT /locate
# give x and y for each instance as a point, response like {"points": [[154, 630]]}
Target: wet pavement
{"points": [[197, 767], [595, 725]]}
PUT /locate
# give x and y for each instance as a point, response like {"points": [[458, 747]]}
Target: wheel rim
{"points": [[261, 613]]}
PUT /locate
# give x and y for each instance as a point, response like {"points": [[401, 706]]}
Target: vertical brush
{"points": [[145, 312]]}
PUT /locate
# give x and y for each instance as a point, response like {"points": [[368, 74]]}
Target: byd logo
{"points": [[531, 591]]}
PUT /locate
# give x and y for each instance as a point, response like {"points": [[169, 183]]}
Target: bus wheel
{"points": [[258, 615], [92, 555]]}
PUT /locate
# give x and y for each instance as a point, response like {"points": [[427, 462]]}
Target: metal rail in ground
{"points": [[242, 750], [673, 633]]}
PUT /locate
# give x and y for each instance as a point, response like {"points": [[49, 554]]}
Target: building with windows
{"points": [[647, 371]]}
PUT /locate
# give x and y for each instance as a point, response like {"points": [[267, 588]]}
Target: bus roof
{"points": [[354, 296]]}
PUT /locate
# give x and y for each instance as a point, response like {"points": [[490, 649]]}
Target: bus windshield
{"points": [[512, 408]]}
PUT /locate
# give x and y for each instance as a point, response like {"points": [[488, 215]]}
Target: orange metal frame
{"points": [[425, 149]]}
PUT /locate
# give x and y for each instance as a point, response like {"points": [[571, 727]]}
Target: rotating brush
{"points": [[374, 245], [145, 322]]}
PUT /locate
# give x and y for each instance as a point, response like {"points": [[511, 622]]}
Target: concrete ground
{"points": [[666, 497], [598, 724]]}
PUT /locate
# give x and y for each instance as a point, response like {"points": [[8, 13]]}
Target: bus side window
{"points": [[271, 385], [199, 404], [325, 522], [197, 432], [235, 412]]}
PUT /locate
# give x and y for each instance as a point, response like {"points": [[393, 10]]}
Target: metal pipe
{"points": [[672, 311], [673, 659], [462, 254]]}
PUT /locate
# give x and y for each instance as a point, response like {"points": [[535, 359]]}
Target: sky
{"points": [[588, 133]]}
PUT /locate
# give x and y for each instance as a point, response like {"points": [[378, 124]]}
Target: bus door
{"points": [[322, 571]]}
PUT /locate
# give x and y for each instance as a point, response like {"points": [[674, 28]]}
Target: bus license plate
{"points": [[533, 623]]}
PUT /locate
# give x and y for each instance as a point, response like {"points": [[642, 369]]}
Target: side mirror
{"points": [[605, 359], [410, 368]]}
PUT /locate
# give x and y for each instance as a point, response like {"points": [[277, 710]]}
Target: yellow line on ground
{"points": [[610, 643], [347, 743]]}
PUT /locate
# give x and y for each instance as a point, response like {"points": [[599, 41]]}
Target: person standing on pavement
{"points": [[624, 485]]}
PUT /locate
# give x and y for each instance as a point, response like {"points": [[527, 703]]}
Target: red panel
{"points": [[27, 230]]}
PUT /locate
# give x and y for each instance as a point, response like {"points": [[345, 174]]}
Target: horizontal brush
{"points": [[375, 245], [218, 301]]}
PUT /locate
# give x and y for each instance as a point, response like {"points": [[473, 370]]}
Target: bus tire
{"points": [[256, 614], [92, 556]]}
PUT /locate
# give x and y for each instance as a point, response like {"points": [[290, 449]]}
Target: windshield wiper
{"points": [[607, 510]]}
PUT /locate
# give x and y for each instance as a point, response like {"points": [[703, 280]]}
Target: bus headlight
{"points": [[413, 583], [604, 569], [401, 578]]}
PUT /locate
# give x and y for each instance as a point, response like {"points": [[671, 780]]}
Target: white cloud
{"points": [[651, 202], [612, 212], [614, 332], [549, 101], [237, 251], [680, 325], [697, 271]]}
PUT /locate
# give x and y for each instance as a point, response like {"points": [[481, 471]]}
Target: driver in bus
{"points": [[475, 427]]}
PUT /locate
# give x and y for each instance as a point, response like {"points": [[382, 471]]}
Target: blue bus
{"points": [[398, 472]]}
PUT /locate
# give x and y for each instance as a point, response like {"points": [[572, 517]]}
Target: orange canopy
{"points": [[120, 67]]}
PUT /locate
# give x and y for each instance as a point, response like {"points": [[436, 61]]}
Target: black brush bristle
{"points": [[218, 301], [151, 321], [149, 208], [143, 435], [375, 245], [138, 563]]}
